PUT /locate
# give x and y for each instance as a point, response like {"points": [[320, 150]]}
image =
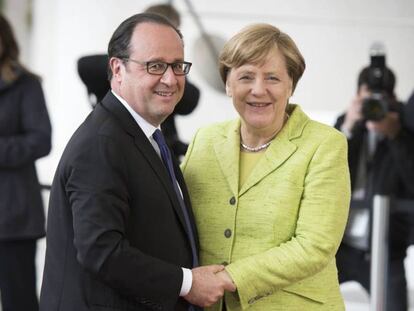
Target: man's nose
{"points": [[169, 77]]}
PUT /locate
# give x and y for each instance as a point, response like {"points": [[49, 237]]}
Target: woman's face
{"points": [[261, 92]]}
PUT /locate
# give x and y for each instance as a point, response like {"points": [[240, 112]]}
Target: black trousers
{"points": [[18, 275], [354, 265]]}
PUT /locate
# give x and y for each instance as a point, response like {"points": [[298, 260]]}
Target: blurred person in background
{"points": [[380, 150], [270, 190], [25, 136], [408, 120], [191, 94]]}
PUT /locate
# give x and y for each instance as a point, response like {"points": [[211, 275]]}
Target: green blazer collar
{"points": [[227, 150], [297, 121], [282, 147]]}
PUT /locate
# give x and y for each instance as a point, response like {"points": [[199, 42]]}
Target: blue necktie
{"points": [[166, 157]]}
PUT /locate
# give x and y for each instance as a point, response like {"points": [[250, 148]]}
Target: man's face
{"points": [[153, 97]]}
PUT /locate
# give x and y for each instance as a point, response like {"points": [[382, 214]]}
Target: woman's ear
{"points": [[228, 89], [291, 88]]}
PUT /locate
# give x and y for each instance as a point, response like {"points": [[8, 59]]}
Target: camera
{"points": [[376, 107]]}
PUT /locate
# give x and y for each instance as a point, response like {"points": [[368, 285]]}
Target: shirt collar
{"points": [[145, 126]]}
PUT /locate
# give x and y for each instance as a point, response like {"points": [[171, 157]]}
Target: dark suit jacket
{"points": [[25, 136], [391, 167], [116, 237]]}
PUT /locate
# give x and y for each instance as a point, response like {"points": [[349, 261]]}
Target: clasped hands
{"points": [[209, 284]]}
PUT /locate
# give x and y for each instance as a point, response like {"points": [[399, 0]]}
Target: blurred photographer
{"points": [[378, 147]]}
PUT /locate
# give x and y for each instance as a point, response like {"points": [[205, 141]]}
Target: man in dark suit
{"points": [[120, 233]]}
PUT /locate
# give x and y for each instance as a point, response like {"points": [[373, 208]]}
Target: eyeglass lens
{"points": [[179, 68]]}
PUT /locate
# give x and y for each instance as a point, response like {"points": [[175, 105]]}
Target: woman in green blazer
{"points": [[270, 190]]}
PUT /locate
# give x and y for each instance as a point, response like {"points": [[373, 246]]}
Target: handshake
{"points": [[209, 284]]}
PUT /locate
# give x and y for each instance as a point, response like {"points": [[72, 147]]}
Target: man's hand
{"points": [[353, 114], [225, 276], [208, 285], [389, 126]]}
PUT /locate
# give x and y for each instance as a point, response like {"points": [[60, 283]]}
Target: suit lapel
{"points": [[127, 122], [278, 152], [187, 201], [227, 152]]}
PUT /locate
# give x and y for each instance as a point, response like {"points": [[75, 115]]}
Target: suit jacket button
{"points": [[232, 201], [227, 233]]}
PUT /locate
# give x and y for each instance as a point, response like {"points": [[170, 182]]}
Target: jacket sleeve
{"points": [[402, 151], [355, 142], [34, 139], [320, 225]]}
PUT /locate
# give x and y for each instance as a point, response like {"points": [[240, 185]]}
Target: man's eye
{"points": [[178, 66], [156, 66]]}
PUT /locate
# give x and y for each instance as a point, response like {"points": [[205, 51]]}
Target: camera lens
{"points": [[374, 108]]}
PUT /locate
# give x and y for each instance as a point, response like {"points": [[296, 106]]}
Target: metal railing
{"points": [[379, 252], [381, 209]]}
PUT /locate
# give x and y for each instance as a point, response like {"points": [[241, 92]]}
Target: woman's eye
{"points": [[273, 78], [245, 78]]}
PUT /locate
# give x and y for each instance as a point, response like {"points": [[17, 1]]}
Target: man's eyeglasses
{"points": [[159, 68]]}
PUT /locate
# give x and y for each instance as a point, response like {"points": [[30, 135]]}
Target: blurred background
{"points": [[333, 36]]}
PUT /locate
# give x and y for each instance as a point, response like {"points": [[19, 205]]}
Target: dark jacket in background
{"points": [[391, 171], [25, 136], [391, 174]]}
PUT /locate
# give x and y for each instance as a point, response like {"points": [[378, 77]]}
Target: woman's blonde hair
{"points": [[253, 44]]}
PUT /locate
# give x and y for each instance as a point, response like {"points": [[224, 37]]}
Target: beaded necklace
{"points": [[255, 149], [264, 146]]}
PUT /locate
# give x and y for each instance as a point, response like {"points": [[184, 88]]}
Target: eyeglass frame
{"points": [[147, 64]]}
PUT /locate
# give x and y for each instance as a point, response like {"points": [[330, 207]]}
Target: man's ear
{"points": [[116, 67]]}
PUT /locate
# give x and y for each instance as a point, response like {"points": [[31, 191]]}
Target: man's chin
{"points": [[164, 113]]}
